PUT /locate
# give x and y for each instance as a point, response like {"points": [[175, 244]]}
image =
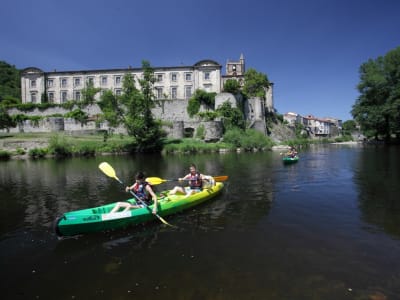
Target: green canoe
{"points": [[290, 160], [99, 218]]}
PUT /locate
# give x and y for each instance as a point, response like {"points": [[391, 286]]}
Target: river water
{"points": [[327, 227]]}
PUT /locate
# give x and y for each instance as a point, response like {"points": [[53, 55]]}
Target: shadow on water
{"points": [[378, 179]]}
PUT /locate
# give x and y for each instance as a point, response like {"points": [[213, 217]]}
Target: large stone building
{"points": [[171, 82], [173, 87]]}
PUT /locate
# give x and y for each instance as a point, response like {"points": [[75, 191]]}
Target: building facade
{"points": [[176, 83]]}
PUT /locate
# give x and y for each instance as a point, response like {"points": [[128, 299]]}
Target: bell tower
{"points": [[235, 68]]}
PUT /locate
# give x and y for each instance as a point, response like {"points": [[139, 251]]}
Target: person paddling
{"points": [[195, 179], [143, 191]]}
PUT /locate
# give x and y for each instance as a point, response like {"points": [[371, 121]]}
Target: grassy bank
{"points": [[37, 145], [45, 144]]}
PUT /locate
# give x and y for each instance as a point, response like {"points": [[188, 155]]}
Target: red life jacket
{"points": [[140, 191], [195, 181]]}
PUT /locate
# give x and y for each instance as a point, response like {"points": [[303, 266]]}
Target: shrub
{"points": [[59, 146], [37, 152], [4, 155]]}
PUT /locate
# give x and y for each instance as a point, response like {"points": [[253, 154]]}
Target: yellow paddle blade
{"points": [[108, 170], [155, 180]]}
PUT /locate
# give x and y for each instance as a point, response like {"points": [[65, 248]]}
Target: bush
{"points": [[59, 146], [4, 155], [37, 152], [249, 139]]}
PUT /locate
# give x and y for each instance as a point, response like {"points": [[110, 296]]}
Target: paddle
{"points": [[109, 171], [157, 180]]}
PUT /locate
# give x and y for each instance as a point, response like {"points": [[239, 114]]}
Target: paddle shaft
{"points": [[157, 180], [109, 171]]}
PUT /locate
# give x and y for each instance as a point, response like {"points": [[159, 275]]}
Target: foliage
{"points": [[78, 115], [19, 118], [377, 109], [193, 107], [192, 146], [198, 98], [6, 121], [37, 152], [59, 146], [10, 84], [4, 155], [200, 132], [255, 84], [348, 127], [247, 139], [139, 120], [112, 111], [89, 93], [208, 115], [233, 136], [232, 117], [232, 86]]}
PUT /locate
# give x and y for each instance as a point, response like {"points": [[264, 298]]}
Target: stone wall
{"points": [[172, 112]]}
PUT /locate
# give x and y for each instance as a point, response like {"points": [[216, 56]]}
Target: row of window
{"points": [[78, 82], [159, 94]]}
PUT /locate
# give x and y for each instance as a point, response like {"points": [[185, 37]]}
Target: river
{"points": [[327, 227]]}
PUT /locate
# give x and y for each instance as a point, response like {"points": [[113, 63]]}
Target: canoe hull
{"points": [[99, 219], [290, 160]]}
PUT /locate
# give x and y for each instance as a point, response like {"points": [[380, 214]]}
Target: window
{"points": [[33, 97], [90, 80], [174, 92], [159, 77], [206, 75], [77, 95], [63, 82], [188, 76], [117, 80], [77, 82], [188, 91], [33, 83], [104, 80], [159, 93], [50, 97], [174, 77], [63, 96], [118, 92], [50, 82]]}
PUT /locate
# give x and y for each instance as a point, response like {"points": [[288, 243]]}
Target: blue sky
{"points": [[311, 49]]}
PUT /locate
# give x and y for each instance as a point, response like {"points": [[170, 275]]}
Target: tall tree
{"points": [[10, 84], [255, 84], [377, 109], [139, 119]]}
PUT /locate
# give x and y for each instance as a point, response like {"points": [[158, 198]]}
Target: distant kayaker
{"points": [[292, 152], [143, 190], [195, 179]]}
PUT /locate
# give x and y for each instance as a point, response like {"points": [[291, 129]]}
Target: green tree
{"points": [[10, 84], [377, 109], [200, 97], [5, 120], [111, 108], [232, 116], [139, 120], [89, 93], [255, 84], [232, 86]]}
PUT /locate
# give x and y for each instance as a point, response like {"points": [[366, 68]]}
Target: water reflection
{"points": [[312, 230], [378, 179]]}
